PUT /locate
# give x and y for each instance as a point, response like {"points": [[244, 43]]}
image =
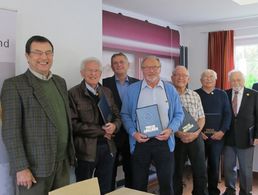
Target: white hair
{"points": [[207, 71], [91, 59], [180, 67], [235, 71], [150, 57]]}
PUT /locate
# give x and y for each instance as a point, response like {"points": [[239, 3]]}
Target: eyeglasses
{"points": [[211, 78], [180, 75], [119, 62], [93, 70], [151, 68], [40, 53]]}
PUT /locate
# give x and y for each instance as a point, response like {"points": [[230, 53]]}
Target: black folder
{"points": [[189, 124], [251, 135], [104, 109], [212, 123]]}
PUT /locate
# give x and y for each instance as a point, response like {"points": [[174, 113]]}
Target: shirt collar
{"points": [[126, 79], [41, 76], [240, 92], [160, 84], [187, 91], [91, 89]]}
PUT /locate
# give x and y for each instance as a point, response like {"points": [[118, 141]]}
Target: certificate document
{"points": [[149, 121]]}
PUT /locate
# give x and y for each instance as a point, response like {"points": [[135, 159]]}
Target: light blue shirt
{"points": [[122, 87], [129, 106], [91, 89], [157, 95]]}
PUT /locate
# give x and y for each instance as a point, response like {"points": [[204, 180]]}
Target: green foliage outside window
{"points": [[246, 60]]}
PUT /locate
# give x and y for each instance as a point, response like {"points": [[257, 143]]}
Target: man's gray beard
{"points": [[238, 88], [153, 80]]}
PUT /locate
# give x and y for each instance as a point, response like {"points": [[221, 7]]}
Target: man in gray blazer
{"points": [[241, 137], [36, 123]]}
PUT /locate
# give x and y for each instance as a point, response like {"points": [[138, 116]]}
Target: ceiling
{"points": [[187, 12]]}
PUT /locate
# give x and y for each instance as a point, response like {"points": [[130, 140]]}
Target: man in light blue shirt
{"points": [[158, 149], [118, 84]]}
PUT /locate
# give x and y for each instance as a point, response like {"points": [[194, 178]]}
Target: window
{"points": [[246, 60]]}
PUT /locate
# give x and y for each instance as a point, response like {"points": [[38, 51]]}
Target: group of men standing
{"points": [[46, 128]]}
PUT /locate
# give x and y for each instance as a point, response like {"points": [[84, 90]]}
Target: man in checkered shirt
{"points": [[189, 144]]}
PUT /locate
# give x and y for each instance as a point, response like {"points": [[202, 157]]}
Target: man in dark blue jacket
{"points": [[118, 84]]}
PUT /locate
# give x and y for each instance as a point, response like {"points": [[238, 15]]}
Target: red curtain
{"points": [[221, 55]]}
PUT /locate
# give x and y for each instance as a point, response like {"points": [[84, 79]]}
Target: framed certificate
{"points": [[148, 119]]}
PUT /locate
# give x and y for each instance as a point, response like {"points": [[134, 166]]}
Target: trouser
{"points": [[157, 152], [126, 163], [213, 150], [245, 159], [102, 168], [195, 152], [59, 178]]}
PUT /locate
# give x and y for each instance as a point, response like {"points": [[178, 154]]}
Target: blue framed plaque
{"points": [[149, 121]]}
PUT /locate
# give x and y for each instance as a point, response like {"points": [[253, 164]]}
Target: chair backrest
{"points": [[127, 191], [86, 187]]}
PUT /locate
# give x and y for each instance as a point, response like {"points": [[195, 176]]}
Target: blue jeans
{"points": [[196, 154], [102, 168], [158, 153]]}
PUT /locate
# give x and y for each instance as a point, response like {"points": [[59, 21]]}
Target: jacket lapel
{"points": [[40, 96], [243, 102]]}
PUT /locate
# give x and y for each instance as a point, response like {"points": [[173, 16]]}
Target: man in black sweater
{"points": [[217, 111]]}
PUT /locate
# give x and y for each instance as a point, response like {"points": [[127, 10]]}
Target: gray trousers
{"points": [[245, 159], [59, 178]]}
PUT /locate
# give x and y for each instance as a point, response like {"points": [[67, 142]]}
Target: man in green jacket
{"points": [[36, 123]]}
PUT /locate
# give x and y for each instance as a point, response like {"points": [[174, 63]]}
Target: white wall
{"points": [[196, 39], [74, 27]]}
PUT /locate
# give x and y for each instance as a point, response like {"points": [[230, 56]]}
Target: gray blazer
{"points": [[29, 128]]}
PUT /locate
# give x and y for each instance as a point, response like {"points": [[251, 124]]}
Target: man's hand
{"points": [[141, 138], [180, 134], [204, 137], [217, 135], [164, 135], [189, 137], [109, 128], [25, 178], [255, 141], [108, 136]]}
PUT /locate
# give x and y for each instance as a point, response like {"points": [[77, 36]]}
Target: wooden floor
{"points": [[153, 185]]}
